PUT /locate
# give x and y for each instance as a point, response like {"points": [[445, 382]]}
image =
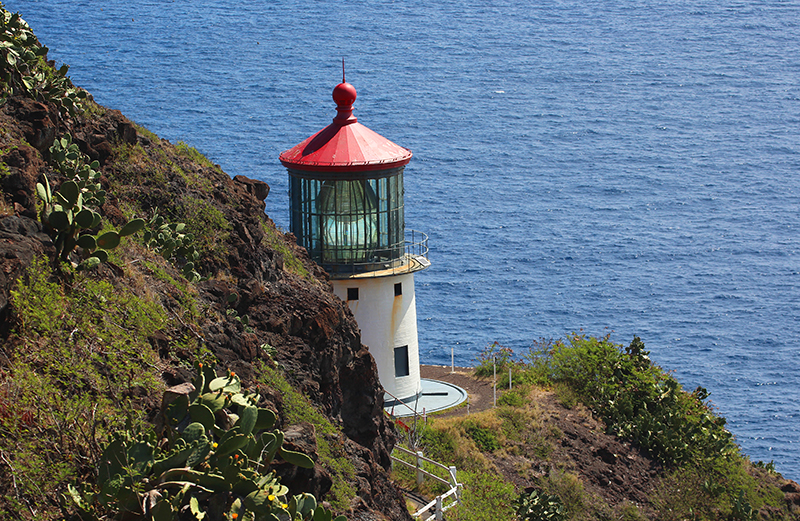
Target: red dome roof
{"points": [[345, 145]]}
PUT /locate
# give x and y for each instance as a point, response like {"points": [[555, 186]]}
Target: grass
{"points": [[470, 443], [329, 438], [208, 225], [191, 179], [147, 133], [135, 167], [194, 155], [81, 360], [486, 497], [181, 289], [291, 262], [705, 476]]}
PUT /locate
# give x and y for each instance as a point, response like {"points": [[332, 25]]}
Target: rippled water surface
{"points": [[613, 166]]}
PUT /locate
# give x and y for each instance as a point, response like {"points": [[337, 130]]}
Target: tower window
{"points": [[398, 289], [352, 293], [401, 361]]}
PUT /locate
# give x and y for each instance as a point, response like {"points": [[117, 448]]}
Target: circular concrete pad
{"points": [[435, 396]]}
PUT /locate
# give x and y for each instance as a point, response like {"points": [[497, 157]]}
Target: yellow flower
{"points": [[271, 497], [284, 505]]}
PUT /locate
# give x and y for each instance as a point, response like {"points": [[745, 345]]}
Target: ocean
{"points": [[621, 168]]}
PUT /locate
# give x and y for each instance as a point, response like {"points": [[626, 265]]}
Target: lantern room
{"points": [[346, 194]]}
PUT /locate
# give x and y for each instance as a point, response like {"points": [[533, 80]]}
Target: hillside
{"points": [[85, 350], [544, 438]]}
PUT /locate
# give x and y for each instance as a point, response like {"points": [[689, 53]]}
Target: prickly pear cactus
{"points": [[214, 463], [173, 243], [69, 211]]}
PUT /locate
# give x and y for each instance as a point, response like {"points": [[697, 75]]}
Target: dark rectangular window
{"points": [[401, 361], [398, 289], [352, 293]]}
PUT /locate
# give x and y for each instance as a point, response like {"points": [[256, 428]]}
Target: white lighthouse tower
{"points": [[346, 191]]}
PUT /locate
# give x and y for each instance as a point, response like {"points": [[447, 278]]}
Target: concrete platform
{"points": [[435, 396]]}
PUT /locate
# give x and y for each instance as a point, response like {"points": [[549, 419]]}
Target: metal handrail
{"points": [[414, 257], [423, 458], [400, 402], [417, 245], [438, 503]]}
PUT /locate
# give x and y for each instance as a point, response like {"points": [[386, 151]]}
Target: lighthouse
{"points": [[346, 204]]}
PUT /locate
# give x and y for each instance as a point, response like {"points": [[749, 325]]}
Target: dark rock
{"points": [[20, 240], [24, 166], [258, 189], [606, 455], [126, 131], [317, 481], [36, 121], [791, 492]]}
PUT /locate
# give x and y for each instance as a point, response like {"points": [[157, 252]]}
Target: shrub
{"points": [[514, 397], [486, 497], [639, 401], [569, 490], [483, 438], [538, 506], [494, 356]]}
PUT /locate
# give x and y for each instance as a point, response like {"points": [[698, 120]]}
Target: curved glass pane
{"points": [[348, 213], [349, 224]]}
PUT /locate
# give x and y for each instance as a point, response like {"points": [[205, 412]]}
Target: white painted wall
{"points": [[386, 322]]}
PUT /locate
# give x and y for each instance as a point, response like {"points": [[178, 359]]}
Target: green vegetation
{"points": [[704, 478], [216, 461], [149, 134], [495, 357], [486, 498], [80, 374], [199, 214], [68, 212], [79, 371], [330, 444], [183, 291], [26, 72], [134, 167], [81, 360], [193, 179], [639, 401], [194, 155], [291, 263], [170, 241], [539, 506]]}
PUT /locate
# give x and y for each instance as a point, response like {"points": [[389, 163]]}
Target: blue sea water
{"points": [[619, 167]]}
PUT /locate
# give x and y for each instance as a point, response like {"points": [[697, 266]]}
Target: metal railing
{"points": [[413, 258], [416, 244], [437, 506]]}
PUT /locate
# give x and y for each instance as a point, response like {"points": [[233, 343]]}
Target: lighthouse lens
{"points": [[348, 211]]}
